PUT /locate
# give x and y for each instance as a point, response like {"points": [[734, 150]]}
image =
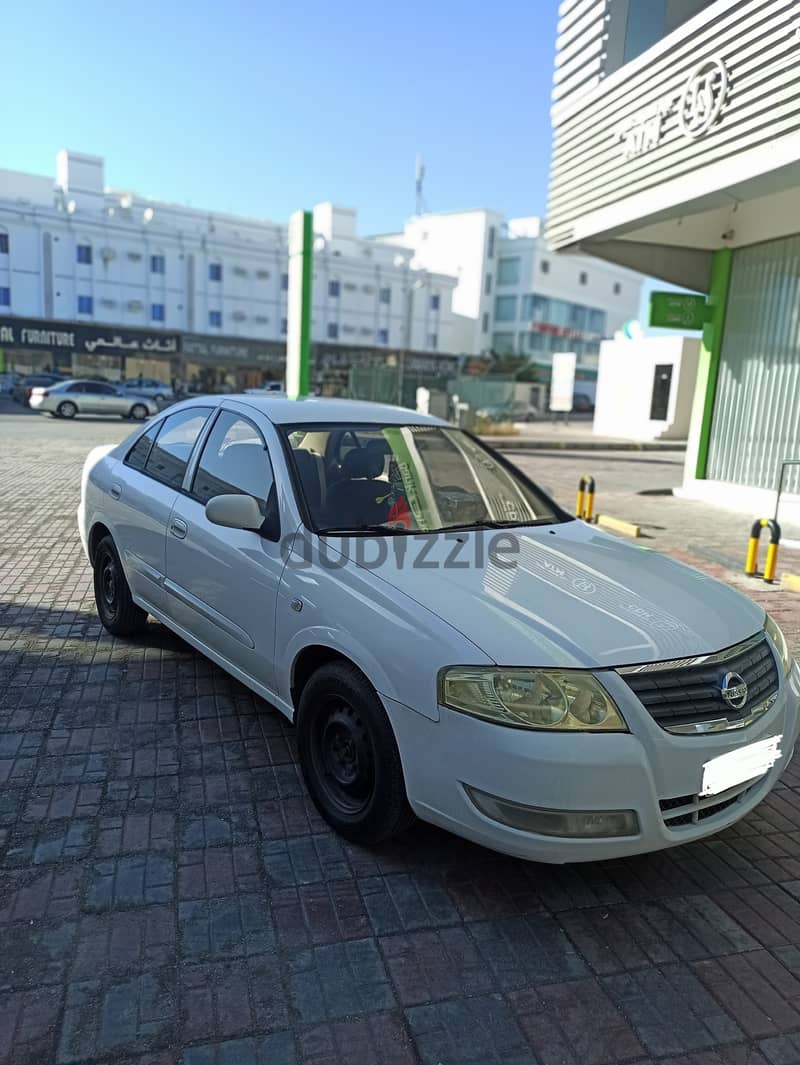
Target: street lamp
{"points": [[411, 288]]}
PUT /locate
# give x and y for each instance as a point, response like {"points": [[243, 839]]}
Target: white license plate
{"points": [[737, 767]]}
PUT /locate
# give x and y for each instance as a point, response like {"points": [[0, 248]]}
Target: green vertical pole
{"points": [[711, 349], [298, 338]]}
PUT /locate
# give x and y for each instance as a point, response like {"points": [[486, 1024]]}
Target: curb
{"points": [[500, 443]]}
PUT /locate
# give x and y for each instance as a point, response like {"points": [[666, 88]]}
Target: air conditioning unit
{"points": [[367, 288], [263, 275], [349, 286], [107, 254], [108, 303], [366, 332], [348, 329], [239, 271], [262, 319], [238, 316], [135, 305], [135, 256]]}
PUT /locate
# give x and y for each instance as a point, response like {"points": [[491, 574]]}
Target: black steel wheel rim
{"points": [[108, 583], [343, 758]]}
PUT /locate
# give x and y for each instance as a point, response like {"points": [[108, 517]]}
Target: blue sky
{"points": [[265, 107]]}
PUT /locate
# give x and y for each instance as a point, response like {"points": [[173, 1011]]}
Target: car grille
{"points": [[689, 693], [694, 809]]}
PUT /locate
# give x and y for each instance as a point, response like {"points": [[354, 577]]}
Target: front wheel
{"points": [[67, 409], [138, 412], [118, 612], [349, 757]]}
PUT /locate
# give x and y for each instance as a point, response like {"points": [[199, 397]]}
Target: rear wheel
{"points": [[118, 612], [67, 409], [349, 757], [138, 412]]}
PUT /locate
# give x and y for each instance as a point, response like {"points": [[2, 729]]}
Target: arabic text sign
{"points": [[562, 381], [677, 310], [94, 339]]}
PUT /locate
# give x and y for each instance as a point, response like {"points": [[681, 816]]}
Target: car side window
{"points": [[77, 388], [169, 455], [234, 461], [137, 456]]}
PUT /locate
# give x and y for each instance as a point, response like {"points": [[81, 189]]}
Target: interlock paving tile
{"points": [[169, 895]]}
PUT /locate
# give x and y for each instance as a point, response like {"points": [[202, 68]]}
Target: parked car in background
{"points": [[70, 398], [566, 696], [148, 386], [7, 382], [21, 392], [582, 404]]}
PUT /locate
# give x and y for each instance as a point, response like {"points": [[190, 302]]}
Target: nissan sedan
{"points": [[449, 643]]}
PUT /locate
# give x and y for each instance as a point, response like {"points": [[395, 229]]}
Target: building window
{"points": [[157, 312], [577, 317], [333, 331], [508, 271], [334, 288], [84, 253], [284, 326], [433, 340], [544, 266], [617, 288], [490, 243], [383, 336], [503, 343], [386, 295], [597, 322], [3, 243], [284, 282], [435, 301], [487, 284], [505, 309], [5, 297], [485, 322], [215, 319], [215, 271], [583, 277], [158, 264], [85, 305]]}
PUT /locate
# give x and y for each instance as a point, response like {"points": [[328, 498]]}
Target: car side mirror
{"points": [[235, 512]]}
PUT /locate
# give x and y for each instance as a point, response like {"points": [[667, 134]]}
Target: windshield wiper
{"points": [[384, 530], [493, 523]]}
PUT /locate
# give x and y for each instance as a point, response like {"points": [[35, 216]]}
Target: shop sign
{"points": [[93, 340], [678, 310], [697, 105]]}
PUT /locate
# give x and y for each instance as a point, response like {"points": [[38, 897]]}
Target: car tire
{"points": [[118, 612], [138, 412], [349, 756], [67, 409]]}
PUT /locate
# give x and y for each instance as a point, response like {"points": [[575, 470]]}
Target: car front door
{"points": [[145, 491], [224, 582]]}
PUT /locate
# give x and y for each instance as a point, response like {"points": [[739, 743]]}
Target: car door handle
{"points": [[115, 491], [178, 528]]}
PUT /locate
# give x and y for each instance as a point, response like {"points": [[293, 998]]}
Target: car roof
{"points": [[320, 410]]}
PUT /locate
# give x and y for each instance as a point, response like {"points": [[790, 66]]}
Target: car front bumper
{"points": [[645, 770]]}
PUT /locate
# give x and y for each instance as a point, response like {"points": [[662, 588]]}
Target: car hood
{"points": [[564, 595]]}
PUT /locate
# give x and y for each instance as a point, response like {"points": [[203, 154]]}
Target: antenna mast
{"points": [[421, 206]]}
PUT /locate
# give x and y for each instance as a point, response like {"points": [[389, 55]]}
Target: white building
{"points": [[513, 295], [73, 250]]}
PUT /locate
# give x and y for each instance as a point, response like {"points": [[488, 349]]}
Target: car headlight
{"points": [[551, 699], [773, 630]]}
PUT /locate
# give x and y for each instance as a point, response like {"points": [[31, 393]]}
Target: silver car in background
{"points": [[150, 387], [70, 398]]}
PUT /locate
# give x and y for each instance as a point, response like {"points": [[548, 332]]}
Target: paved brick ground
{"points": [[168, 894]]}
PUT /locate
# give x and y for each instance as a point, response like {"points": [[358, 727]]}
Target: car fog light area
{"points": [[573, 824], [556, 700]]}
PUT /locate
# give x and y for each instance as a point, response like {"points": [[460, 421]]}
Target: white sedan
{"points": [[68, 399], [449, 643]]}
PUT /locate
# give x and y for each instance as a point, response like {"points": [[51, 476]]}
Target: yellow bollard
{"points": [[584, 504], [771, 562]]}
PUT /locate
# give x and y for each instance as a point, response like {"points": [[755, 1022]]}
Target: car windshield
{"points": [[409, 478]]}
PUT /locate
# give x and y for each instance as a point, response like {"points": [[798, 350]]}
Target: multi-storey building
{"points": [[211, 287]]}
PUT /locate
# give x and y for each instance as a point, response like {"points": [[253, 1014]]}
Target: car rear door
{"points": [[224, 582], [145, 491]]}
